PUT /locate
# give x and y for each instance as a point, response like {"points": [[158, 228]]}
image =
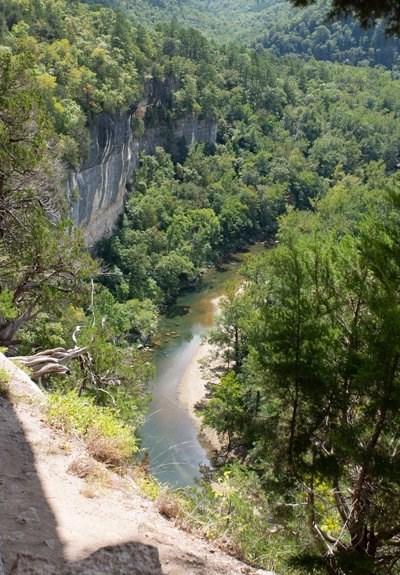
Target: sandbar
{"points": [[192, 388]]}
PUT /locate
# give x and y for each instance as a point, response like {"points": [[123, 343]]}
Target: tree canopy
{"points": [[306, 160], [315, 397], [367, 11]]}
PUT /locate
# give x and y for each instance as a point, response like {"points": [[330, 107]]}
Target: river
{"points": [[170, 435]]}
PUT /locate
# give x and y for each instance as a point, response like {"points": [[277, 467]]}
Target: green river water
{"points": [[170, 435]]}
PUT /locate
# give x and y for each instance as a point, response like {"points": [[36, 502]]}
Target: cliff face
{"points": [[97, 190]]}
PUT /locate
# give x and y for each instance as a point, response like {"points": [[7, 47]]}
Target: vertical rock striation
{"points": [[97, 190]]}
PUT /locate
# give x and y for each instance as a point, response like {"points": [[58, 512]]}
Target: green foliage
{"points": [[324, 358], [228, 331], [45, 263], [310, 344], [174, 227], [131, 320], [276, 25], [225, 411], [233, 510], [96, 424], [114, 372], [368, 12], [310, 34], [42, 258], [4, 383], [288, 132], [87, 60], [23, 120], [7, 310], [97, 74]]}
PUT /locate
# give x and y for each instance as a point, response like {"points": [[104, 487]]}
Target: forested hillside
{"points": [[302, 344], [276, 25], [287, 132], [306, 160], [309, 34]]}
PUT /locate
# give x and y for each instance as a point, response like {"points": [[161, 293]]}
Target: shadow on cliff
{"points": [[29, 542]]}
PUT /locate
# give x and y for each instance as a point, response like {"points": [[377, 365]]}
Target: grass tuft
{"points": [[5, 379], [108, 439], [115, 450], [169, 504]]}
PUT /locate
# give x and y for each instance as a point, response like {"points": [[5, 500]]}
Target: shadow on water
{"points": [[177, 311], [28, 526]]}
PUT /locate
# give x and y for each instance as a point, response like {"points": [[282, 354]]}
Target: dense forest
{"points": [[275, 25], [305, 160], [309, 33]]}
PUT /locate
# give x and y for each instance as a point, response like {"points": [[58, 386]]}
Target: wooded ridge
{"points": [[302, 155]]}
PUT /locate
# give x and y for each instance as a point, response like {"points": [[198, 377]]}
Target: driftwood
{"points": [[50, 361]]}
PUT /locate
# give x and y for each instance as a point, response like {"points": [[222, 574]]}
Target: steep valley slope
{"points": [[53, 520]]}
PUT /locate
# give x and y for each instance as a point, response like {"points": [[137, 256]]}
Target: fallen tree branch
{"points": [[50, 361]]}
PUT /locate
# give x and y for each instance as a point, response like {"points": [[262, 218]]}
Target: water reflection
{"points": [[170, 435]]}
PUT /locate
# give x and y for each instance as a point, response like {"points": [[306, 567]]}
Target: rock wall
{"points": [[97, 190]]}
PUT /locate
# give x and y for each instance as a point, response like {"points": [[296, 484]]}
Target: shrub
{"points": [[4, 383], [234, 511], [108, 439]]}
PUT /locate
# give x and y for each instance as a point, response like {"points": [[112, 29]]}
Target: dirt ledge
{"points": [[46, 518]]}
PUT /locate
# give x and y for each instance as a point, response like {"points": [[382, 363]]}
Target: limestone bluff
{"points": [[97, 190]]}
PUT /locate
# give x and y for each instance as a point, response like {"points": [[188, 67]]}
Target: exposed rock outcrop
{"points": [[21, 384], [97, 190], [127, 559]]}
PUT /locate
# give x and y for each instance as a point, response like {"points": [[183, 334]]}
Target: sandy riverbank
{"points": [[192, 388]]}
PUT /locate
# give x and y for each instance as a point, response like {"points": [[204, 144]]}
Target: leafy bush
{"points": [[234, 511], [107, 438]]}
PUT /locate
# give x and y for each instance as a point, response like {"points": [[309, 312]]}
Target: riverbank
{"points": [[171, 434], [193, 387]]}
